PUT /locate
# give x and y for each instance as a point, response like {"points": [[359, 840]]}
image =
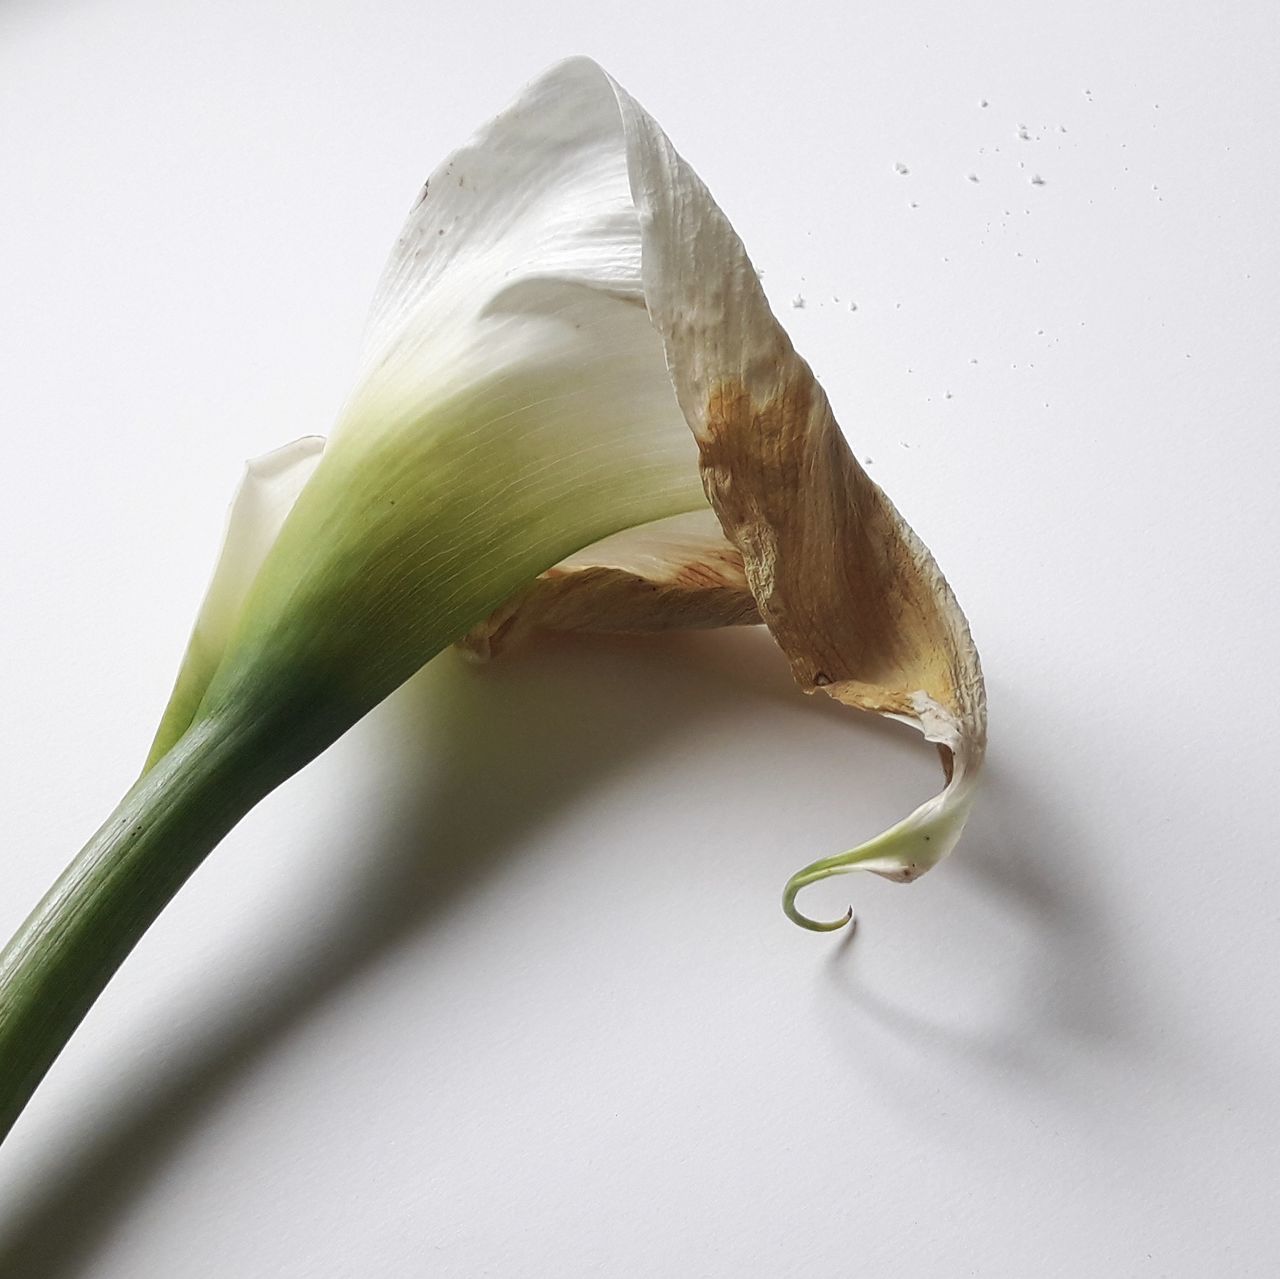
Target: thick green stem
{"points": [[73, 942]]}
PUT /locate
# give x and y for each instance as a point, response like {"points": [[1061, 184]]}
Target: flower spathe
{"points": [[570, 354]]}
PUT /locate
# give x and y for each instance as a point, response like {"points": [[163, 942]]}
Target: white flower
{"points": [[575, 409]]}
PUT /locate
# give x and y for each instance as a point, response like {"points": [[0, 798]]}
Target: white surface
{"points": [[501, 986]]}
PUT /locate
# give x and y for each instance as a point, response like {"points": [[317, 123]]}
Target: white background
{"points": [[500, 986]]}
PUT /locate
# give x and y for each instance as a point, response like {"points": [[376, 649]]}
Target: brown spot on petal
{"points": [[677, 574], [843, 584]]}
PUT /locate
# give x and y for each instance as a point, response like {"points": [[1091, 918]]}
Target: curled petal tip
{"points": [[813, 925]]}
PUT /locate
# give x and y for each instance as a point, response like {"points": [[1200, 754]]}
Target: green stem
{"points": [[61, 959]]}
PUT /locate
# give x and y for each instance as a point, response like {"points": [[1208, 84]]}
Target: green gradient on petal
{"points": [[417, 525], [904, 852]]}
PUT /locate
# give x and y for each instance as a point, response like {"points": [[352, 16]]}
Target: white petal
{"points": [[267, 493], [517, 280]]}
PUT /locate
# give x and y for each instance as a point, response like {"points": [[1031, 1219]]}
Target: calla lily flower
{"points": [[574, 411]]}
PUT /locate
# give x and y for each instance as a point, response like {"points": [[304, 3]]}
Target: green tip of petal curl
{"points": [[903, 853], [798, 881]]}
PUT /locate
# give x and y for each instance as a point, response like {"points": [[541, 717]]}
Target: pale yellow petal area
{"points": [[679, 573]]}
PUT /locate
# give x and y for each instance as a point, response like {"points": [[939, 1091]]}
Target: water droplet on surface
{"points": [[853, 306], [1037, 180], [973, 177], [797, 302], [984, 103], [973, 361], [900, 169], [1023, 134]]}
